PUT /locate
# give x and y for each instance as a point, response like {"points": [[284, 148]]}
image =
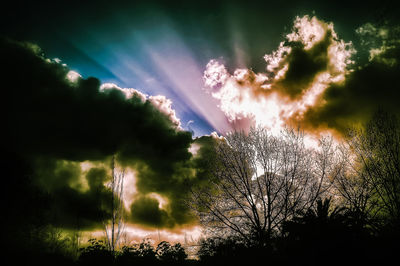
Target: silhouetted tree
{"points": [[371, 183], [316, 222], [217, 249], [260, 180], [170, 253], [97, 253], [321, 231], [142, 253], [114, 226]]}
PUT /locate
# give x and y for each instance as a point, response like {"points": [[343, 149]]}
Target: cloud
{"points": [[380, 41], [310, 59], [56, 120], [164, 105], [160, 102], [312, 80], [128, 92], [371, 86], [174, 186], [146, 211]]}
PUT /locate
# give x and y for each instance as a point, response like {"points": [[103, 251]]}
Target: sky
{"points": [[162, 47], [151, 81]]}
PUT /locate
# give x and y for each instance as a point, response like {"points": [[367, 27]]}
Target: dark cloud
{"points": [[373, 86], [49, 115], [53, 124], [175, 188], [71, 206], [146, 211], [303, 66], [25, 206]]}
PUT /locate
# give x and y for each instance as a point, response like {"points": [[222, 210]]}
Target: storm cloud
{"points": [[370, 86], [56, 120]]}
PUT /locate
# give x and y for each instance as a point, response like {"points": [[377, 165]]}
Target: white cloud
{"points": [[308, 31], [73, 76], [164, 105], [215, 75], [160, 102], [276, 58], [129, 92]]}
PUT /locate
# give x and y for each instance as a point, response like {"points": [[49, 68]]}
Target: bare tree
{"points": [[114, 226], [259, 180], [352, 188], [370, 183]]}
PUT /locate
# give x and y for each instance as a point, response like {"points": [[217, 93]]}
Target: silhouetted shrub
{"points": [[139, 254], [96, 253], [213, 249], [170, 253]]}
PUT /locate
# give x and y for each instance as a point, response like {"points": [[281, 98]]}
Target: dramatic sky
{"points": [[149, 80]]}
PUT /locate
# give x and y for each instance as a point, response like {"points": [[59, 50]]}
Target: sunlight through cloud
{"points": [[285, 92]]}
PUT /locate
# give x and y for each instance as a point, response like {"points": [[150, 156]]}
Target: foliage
{"points": [[317, 223], [324, 230], [170, 253], [370, 182], [138, 253], [144, 253], [215, 248], [97, 253]]}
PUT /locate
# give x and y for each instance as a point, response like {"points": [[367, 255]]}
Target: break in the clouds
{"points": [[59, 123], [310, 59]]}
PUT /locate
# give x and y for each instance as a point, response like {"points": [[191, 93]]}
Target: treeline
{"points": [[55, 248], [144, 253], [324, 235]]}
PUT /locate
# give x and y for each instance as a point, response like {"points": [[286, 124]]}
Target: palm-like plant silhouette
{"points": [[320, 232], [322, 219]]}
